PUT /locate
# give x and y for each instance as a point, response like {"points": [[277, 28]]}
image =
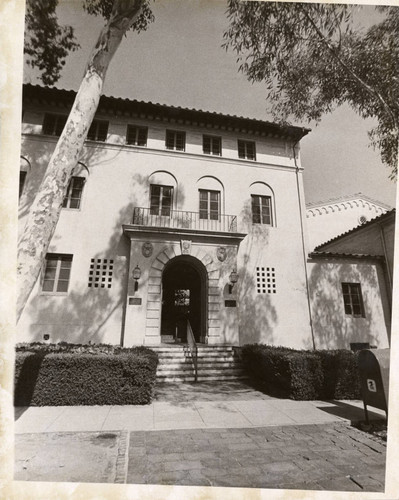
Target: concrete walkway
{"points": [[206, 434], [191, 406]]}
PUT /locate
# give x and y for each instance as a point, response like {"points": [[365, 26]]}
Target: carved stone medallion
{"points": [[147, 249], [221, 253], [185, 247]]}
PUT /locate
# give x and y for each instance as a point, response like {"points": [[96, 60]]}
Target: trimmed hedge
{"points": [[303, 375], [48, 375]]}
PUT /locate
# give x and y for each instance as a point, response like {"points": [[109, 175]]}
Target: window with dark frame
{"points": [[261, 209], [57, 273], [246, 150], [22, 179], [98, 130], [175, 140], [136, 136], [161, 200], [353, 300], [73, 196], [209, 204], [212, 145], [53, 124]]}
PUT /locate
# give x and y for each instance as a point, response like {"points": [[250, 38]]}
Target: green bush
{"points": [[44, 376], [303, 375], [341, 374]]}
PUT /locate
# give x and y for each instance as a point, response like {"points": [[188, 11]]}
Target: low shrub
{"points": [[303, 375], [51, 376], [341, 374]]}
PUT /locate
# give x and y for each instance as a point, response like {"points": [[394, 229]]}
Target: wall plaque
{"points": [[134, 301], [185, 247], [230, 303], [221, 253], [147, 249]]}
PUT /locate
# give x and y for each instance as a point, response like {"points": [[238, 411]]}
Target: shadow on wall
{"points": [[257, 315], [332, 328]]}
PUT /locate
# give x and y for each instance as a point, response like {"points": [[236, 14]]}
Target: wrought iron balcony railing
{"points": [[184, 220]]}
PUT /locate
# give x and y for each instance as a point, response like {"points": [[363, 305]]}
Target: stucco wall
{"points": [[332, 327], [327, 221], [117, 180]]}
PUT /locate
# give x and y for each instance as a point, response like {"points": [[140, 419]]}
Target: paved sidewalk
{"points": [[212, 434], [191, 406]]}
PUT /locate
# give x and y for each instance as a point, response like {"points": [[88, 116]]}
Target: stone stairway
{"points": [[214, 363]]}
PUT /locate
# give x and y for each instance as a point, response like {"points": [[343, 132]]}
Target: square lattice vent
{"points": [[265, 280], [100, 273]]}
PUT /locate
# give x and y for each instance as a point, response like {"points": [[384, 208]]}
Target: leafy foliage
{"points": [[313, 58], [91, 375], [47, 44], [303, 375]]}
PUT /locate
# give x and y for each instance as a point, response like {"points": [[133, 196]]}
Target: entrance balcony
{"points": [[178, 219]]}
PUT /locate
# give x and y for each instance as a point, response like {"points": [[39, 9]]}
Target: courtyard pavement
{"points": [[205, 434]]}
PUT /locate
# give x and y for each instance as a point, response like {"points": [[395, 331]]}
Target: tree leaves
{"points": [[47, 44], [312, 59]]}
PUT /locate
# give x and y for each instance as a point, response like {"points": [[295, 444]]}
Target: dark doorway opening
{"points": [[183, 299]]}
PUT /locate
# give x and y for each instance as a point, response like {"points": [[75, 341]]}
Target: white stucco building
{"points": [[176, 214]]}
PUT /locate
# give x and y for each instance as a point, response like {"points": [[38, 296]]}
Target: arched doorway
{"points": [[184, 298]]}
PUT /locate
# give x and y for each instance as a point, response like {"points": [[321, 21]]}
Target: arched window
{"points": [[74, 194], [211, 198], [23, 172], [262, 204], [163, 193]]}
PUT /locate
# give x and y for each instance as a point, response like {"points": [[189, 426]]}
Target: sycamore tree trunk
{"points": [[45, 211]]}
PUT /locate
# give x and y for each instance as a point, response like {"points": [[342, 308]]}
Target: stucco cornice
{"points": [[136, 231], [155, 111]]}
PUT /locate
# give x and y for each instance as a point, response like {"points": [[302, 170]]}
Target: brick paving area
{"points": [[314, 457]]}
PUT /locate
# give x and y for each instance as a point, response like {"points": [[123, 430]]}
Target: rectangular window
{"points": [[212, 145], [161, 200], [136, 136], [246, 150], [353, 300], [175, 140], [57, 273], [74, 193], [261, 210], [209, 204], [53, 124], [98, 130], [22, 179]]}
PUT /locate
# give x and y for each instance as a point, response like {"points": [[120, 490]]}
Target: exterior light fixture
{"points": [[136, 276], [233, 280]]}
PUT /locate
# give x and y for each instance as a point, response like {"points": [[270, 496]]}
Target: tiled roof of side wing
{"points": [[344, 198], [379, 218], [178, 114], [341, 255]]}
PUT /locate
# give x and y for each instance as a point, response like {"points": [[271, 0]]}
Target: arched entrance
{"points": [[184, 298]]}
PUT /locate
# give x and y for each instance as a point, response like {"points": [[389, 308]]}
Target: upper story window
{"points": [[246, 150], [73, 196], [136, 136], [353, 300], [57, 273], [161, 200], [175, 140], [262, 209], [53, 124], [212, 145], [209, 204], [22, 179], [98, 130]]}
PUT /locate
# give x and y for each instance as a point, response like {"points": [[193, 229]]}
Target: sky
{"points": [[180, 61]]}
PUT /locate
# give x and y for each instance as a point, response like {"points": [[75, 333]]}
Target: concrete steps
{"points": [[213, 363]]}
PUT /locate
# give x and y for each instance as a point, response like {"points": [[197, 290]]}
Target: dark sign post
{"points": [[374, 377]]}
